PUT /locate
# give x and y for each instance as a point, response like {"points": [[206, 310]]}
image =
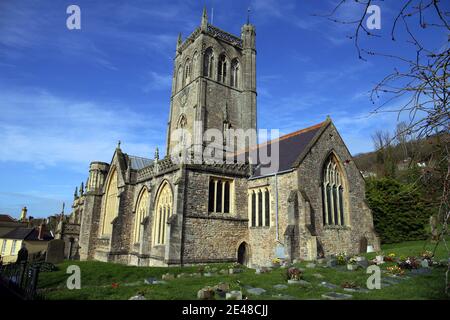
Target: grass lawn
{"points": [[97, 280]]}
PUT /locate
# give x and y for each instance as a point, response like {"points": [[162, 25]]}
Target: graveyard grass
{"points": [[114, 281]]}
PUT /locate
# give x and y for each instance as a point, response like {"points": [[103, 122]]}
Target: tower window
{"points": [[219, 195], [234, 73], [208, 62], [187, 72], [222, 69], [259, 207], [333, 193]]}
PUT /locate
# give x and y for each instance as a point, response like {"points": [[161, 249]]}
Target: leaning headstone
{"points": [[337, 296], [256, 291], [55, 251]]}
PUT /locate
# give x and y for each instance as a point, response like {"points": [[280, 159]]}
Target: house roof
{"points": [[7, 218], [291, 147], [31, 234]]}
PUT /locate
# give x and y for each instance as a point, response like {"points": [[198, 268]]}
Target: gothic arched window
{"points": [[333, 193], [208, 63], [234, 73], [187, 72], [140, 213], [110, 208], [222, 69], [163, 211]]}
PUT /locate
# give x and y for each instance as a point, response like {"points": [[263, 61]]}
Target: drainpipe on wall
{"points": [[276, 207]]}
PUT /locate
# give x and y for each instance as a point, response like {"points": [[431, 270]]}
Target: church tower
{"points": [[213, 87]]}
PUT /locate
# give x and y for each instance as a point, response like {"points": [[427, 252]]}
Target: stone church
{"points": [[159, 212]]}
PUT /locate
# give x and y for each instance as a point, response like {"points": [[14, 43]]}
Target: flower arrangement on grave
{"points": [[390, 257], [349, 284], [428, 255], [395, 270], [114, 285], [341, 258], [408, 263], [294, 273]]}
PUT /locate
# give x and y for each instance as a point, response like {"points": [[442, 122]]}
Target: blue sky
{"points": [[68, 96]]}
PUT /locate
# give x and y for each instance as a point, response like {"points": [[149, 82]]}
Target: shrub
{"points": [[399, 211]]}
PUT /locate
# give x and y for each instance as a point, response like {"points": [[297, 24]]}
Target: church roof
{"points": [[291, 148], [139, 162]]}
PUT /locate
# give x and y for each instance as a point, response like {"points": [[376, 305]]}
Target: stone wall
{"points": [[213, 236], [334, 239], [263, 240]]}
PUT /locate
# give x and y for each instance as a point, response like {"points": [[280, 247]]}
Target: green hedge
{"points": [[399, 211]]}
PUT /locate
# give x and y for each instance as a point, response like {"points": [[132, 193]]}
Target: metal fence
{"points": [[21, 279]]}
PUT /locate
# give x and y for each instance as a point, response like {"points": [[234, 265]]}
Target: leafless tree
{"points": [[418, 86], [402, 136]]}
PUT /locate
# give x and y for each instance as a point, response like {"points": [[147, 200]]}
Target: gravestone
{"points": [[234, 295], [280, 286], [55, 251], [337, 296], [256, 291], [328, 285]]}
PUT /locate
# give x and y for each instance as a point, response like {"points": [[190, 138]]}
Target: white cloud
{"points": [[41, 129], [158, 82]]}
